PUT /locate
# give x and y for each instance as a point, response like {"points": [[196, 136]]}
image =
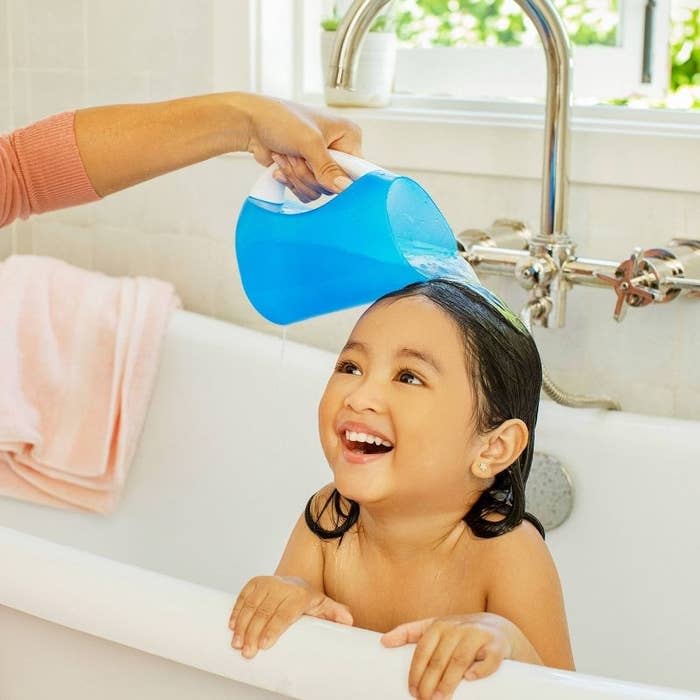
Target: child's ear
{"points": [[502, 446]]}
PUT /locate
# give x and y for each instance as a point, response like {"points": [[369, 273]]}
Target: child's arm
{"points": [[524, 588], [525, 621], [268, 605]]}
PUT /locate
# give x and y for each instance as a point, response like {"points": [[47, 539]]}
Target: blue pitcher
{"points": [[381, 233]]}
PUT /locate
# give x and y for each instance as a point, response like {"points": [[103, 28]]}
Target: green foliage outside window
{"points": [[685, 48], [498, 22]]}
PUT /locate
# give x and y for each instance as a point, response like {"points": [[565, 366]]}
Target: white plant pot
{"points": [[375, 71]]}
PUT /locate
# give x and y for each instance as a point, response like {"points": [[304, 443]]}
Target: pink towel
{"points": [[79, 353]]}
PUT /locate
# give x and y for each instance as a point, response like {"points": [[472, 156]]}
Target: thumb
{"points": [[331, 610], [328, 173], [408, 633]]}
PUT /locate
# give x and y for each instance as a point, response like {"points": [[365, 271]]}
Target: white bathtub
{"points": [[136, 605]]}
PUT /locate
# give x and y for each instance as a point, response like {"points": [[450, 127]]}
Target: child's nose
{"points": [[367, 396]]}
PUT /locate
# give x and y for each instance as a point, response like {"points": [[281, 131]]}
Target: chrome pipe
{"points": [[555, 41], [555, 176], [586, 271], [499, 261], [351, 32]]}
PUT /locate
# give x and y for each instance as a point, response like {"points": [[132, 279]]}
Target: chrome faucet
{"points": [[343, 66], [545, 262]]}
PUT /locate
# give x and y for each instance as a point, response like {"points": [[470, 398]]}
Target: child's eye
{"points": [[407, 377], [346, 367]]}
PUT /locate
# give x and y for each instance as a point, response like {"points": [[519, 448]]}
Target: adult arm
{"points": [[78, 157], [122, 145]]}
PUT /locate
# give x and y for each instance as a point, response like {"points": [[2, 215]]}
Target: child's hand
{"points": [[451, 648], [268, 605]]}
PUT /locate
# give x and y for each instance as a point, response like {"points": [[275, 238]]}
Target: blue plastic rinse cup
{"points": [[383, 232]]}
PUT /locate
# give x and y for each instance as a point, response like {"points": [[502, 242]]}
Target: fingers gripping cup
{"points": [[378, 235]]}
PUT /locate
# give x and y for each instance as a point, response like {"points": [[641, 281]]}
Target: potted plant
{"points": [[376, 65]]}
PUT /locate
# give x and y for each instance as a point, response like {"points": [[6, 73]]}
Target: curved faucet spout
{"points": [[554, 203]]}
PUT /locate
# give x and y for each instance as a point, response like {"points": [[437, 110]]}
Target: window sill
{"points": [[611, 146]]}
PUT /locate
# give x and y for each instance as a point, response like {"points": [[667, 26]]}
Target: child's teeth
{"points": [[365, 437]]}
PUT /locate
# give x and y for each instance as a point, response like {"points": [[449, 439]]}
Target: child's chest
{"points": [[381, 595]]}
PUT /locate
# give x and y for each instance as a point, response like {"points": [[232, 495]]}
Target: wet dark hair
{"points": [[506, 370]]}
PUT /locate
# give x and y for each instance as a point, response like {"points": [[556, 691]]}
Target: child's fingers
{"points": [[333, 611], [408, 633], [258, 622], [431, 667], [487, 661], [462, 659], [248, 607], [240, 601], [422, 654], [287, 613]]}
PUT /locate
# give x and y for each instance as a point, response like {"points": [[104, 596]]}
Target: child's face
{"points": [[401, 380]]}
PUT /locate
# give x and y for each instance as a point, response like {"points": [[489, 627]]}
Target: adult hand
{"points": [[268, 605], [451, 648], [297, 139]]}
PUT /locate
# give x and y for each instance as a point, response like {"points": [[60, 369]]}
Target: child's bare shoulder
{"points": [[523, 545]]}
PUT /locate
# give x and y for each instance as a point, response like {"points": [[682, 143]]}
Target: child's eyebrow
{"points": [[354, 345], [421, 355]]}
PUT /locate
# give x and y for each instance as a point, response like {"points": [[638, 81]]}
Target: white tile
{"points": [[48, 35], [5, 103], [174, 83], [687, 341], [21, 101], [17, 33], [6, 241], [123, 209], [187, 263], [622, 218], [74, 244], [687, 402], [149, 35], [5, 68], [23, 236], [53, 92], [116, 87], [201, 200], [113, 250], [691, 216]]}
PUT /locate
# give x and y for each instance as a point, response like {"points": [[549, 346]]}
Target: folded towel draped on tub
{"points": [[79, 353]]}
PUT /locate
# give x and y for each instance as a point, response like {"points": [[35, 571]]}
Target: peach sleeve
{"points": [[41, 169]]}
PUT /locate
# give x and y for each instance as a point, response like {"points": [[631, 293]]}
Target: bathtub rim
{"points": [[162, 606]]}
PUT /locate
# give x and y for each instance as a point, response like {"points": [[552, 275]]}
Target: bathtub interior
{"points": [[229, 456]]}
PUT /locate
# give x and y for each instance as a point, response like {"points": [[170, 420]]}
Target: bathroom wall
{"points": [[180, 226], [6, 240]]}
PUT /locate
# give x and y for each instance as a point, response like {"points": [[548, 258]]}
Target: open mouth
{"points": [[365, 443]]}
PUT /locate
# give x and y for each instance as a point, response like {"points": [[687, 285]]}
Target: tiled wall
{"points": [[180, 226]]}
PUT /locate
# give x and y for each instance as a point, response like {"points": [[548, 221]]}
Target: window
{"points": [[488, 49]]}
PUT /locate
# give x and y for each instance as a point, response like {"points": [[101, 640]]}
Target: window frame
{"points": [[600, 72]]}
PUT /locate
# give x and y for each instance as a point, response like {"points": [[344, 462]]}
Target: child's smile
{"points": [[362, 443]]}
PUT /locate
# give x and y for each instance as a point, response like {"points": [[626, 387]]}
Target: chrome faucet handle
{"points": [[632, 282]]}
